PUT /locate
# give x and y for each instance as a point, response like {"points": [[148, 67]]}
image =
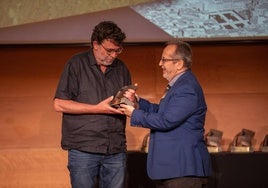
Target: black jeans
{"points": [[183, 182]]}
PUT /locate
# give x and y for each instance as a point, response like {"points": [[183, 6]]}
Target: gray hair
{"points": [[183, 50]]}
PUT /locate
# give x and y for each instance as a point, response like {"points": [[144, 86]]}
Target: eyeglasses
{"points": [[110, 50], [165, 59]]}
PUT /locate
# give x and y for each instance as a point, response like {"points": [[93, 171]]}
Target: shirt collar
{"points": [[171, 83]]}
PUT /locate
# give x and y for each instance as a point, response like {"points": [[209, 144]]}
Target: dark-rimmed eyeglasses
{"points": [[110, 50], [166, 60]]}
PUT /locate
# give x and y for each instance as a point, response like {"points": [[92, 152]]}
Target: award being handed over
{"points": [[120, 99]]}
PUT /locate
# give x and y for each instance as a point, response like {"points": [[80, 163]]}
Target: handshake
{"points": [[119, 98]]}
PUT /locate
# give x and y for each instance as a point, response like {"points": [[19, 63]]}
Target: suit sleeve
{"points": [[173, 110]]}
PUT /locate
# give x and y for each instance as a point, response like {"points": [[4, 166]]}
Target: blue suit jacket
{"points": [[177, 147]]}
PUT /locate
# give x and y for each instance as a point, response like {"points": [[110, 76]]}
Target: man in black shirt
{"points": [[93, 132]]}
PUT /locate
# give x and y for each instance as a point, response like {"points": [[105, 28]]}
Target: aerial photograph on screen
{"points": [[208, 19]]}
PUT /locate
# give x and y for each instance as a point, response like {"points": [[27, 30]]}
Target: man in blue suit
{"points": [[177, 156]]}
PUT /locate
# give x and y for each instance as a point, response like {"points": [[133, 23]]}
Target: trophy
{"points": [[120, 99], [264, 144], [145, 143], [213, 140], [242, 141]]}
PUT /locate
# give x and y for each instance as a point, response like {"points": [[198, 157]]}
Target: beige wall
{"points": [[234, 78]]}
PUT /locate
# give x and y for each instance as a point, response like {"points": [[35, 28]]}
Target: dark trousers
{"points": [[183, 182]]}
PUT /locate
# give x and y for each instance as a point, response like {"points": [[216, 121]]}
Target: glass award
{"points": [[242, 141], [213, 140]]}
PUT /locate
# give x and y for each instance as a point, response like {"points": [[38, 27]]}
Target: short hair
{"points": [[107, 30], [183, 50]]}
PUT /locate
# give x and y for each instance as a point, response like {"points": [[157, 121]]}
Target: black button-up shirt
{"points": [[83, 81]]}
